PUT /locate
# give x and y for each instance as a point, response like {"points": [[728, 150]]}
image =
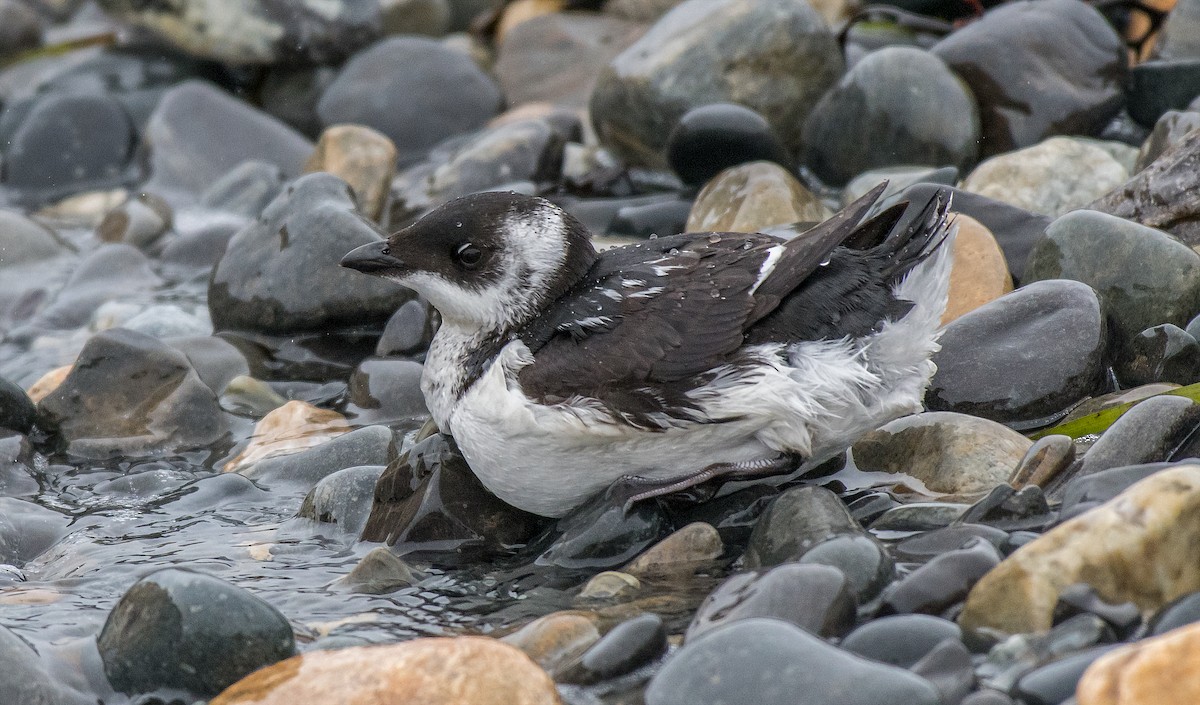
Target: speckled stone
{"points": [[751, 197], [1155, 671]]}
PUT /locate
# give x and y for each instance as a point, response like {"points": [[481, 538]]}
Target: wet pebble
{"points": [[139, 221], [216, 362], [1123, 560], [179, 629], [1158, 86], [1163, 353], [17, 412], [920, 516], [370, 445], [943, 581], [130, 394], [922, 547], [711, 138], [867, 565], [610, 585], [1177, 613], [603, 533], [794, 523], [1052, 177], [245, 189], [1168, 131], [1038, 69], [979, 273], [343, 498], [557, 639], [287, 427], [767, 661], [950, 668], [1082, 598], [1044, 346], [949, 452], [107, 273], [441, 93], [280, 274], [751, 197], [816, 598], [693, 547], [901, 97], [1163, 288], [1045, 459], [900, 640], [27, 681], [28, 529], [1055, 682], [379, 572], [386, 391], [686, 60], [437, 671], [625, 647], [1152, 431], [408, 331]]}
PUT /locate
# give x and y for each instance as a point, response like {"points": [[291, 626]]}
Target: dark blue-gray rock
{"points": [[262, 32], [950, 668], [862, 559], [186, 156], [1177, 613], [943, 581], [1159, 86], [1055, 682], [1083, 492], [1164, 353], [796, 521], [627, 646], [130, 394], [1045, 459], [991, 697], [1037, 69], [774, 56], [291, 93], [769, 662], [816, 598], [386, 391], [24, 240], [343, 498], [900, 640], [897, 178], [41, 166], [526, 150], [1016, 229], [1152, 431], [408, 331], [16, 474], [1081, 598], [429, 502], [1179, 39], [920, 516], [603, 533], [27, 529], [711, 138], [897, 106], [17, 412], [734, 515], [371, 445], [280, 274], [1165, 195], [246, 189], [556, 58], [439, 94], [1012, 509], [215, 360], [26, 679], [179, 629], [200, 245], [949, 452], [1099, 249], [112, 271], [379, 572], [924, 546], [1024, 358], [1168, 131], [665, 217]]}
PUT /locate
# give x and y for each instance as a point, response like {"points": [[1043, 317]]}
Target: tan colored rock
{"points": [[434, 671], [694, 546], [522, 11], [48, 383], [979, 273], [86, 210], [753, 196], [1161, 670], [1138, 547], [950, 453], [363, 158], [556, 639], [291, 428], [610, 585]]}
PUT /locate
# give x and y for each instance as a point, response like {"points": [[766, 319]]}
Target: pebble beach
{"points": [[219, 482]]}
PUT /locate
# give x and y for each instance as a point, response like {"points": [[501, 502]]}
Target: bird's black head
{"points": [[488, 261]]}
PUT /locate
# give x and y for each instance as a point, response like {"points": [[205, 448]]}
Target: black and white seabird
{"points": [[559, 370]]}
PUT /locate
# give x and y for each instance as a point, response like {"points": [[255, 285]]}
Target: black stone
{"points": [[733, 515], [1039, 69], [1152, 431], [901, 640], [660, 218], [941, 582], [950, 668], [769, 662], [343, 498], [17, 411], [816, 598], [1088, 490], [1011, 510], [625, 647], [1055, 682], [408, 331], [1082, 598], [795, 522], [924, 546], [27, 529], [370, 445], [1161, 85], [1164, 353], [862, 559], [385, 392], [245, 189], [1177, 613], [1024, 359], [179, 629], [604, 533], [714, 137]]}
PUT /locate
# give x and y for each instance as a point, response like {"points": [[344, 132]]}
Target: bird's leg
{"points": [[745, 469]]}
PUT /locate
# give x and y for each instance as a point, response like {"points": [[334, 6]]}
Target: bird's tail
{"points": [[917, 236]]}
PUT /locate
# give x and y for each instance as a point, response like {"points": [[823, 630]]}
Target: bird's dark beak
{"points": [[372, 258]]}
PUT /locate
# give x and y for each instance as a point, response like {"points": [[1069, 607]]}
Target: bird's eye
{"points": [[386, 251], [468, 255]]}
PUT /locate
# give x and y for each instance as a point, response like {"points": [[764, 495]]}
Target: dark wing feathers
{"points": [[649, 318]]}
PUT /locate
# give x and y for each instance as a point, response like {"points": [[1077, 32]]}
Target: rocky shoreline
{"points": [[217, 479]]}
